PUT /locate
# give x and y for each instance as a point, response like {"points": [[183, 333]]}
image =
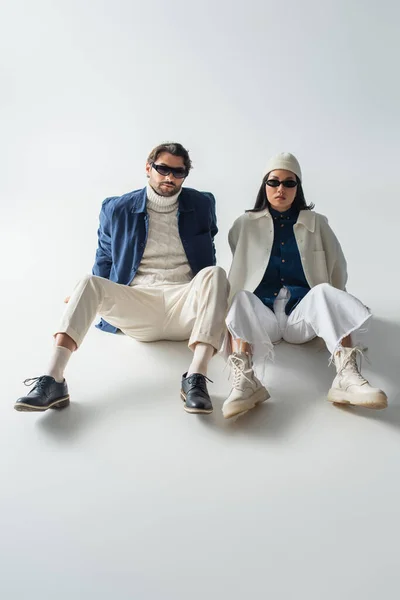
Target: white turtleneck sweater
{"points": [[164, 261]]}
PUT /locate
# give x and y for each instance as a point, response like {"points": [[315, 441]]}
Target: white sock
{"points": [[202, 355], [58, 362]]}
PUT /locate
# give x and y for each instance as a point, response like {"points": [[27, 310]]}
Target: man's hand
{"points": [[67, 299]]}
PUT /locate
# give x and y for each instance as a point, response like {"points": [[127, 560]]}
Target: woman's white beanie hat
{"points": [[285, 161]]}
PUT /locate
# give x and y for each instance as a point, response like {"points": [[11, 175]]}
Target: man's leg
{"points": [[123, 306], [198, 311], [202, 354], [334, 315]]}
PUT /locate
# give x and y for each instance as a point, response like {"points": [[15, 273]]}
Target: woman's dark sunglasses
{"points": [[288, 183], [177, 172]]}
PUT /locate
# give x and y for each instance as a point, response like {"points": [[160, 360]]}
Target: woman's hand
{"points": [[67, 299]]}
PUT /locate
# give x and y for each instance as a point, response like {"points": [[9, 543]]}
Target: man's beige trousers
{"points": [[195, 311]]}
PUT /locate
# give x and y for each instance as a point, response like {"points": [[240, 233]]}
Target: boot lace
{"points": [[350, 364], [238, 365]]}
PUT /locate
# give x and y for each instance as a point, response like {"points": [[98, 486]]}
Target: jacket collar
{"points": [[139, 205], [306, 218], [185, 204]]}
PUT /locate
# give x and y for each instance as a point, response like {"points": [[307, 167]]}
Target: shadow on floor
{"points": [[298, 379]]}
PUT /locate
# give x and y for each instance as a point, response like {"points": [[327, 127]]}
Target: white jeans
{"points": [[325, 311], [194, 310]]}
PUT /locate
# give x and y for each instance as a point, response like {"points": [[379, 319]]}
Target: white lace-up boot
{"points": [[349, 386], [247, 391]]}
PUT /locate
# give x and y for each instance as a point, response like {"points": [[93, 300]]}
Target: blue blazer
{"points": [[123, 230]]}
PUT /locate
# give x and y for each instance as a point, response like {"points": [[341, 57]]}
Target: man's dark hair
{"points": [[262, 201], [172, 148]]}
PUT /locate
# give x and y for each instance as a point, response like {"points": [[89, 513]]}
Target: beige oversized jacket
{"points": [[251, 238]]}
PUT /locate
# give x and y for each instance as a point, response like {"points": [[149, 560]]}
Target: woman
{"points": [[288, 279]]}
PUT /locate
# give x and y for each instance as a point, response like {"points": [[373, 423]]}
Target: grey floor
{"points": [[124, 495]]}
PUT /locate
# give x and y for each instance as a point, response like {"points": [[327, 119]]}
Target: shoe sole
{"points": [[195, 411], [370, 401], [56, 405], [239, 408]]}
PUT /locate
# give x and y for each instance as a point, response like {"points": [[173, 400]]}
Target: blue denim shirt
{"points": [[284, 267], [123, 230]]}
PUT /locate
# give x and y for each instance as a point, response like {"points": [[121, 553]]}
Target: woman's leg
{"points": [[334, 315], [328, 313], [251, 329], [347, 342], [240, 346]]}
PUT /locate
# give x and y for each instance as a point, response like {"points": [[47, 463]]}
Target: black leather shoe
{"points": [[47, 393], [195, 395]]}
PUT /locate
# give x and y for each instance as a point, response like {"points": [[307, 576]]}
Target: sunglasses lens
{"points": [[179, 173], [163, 170], [289, 183]]}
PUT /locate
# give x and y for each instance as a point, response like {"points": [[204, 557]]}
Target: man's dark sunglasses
{"points": [[288, 183], [177, 172]]}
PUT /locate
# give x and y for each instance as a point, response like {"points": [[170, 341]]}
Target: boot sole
{"points": [[240, 408], [370, 401], [56, 405], [195, 411]]}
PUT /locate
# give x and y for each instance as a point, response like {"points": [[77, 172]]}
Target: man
{"points": [[154, 279]]}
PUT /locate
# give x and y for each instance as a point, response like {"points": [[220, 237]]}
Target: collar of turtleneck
{"points": [[161, 203]]}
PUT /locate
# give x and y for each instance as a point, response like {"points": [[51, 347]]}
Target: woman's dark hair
{"points": [[262, 201], [172, 148]]}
